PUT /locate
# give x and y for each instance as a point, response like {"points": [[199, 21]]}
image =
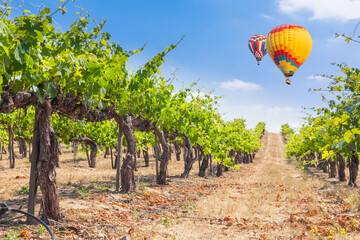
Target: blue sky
{"points": [[215, 51]]}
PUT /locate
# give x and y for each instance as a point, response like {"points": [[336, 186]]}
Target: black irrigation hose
{"points": [[4, 208]]}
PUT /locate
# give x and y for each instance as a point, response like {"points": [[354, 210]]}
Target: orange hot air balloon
{"points": [[288, 46]]}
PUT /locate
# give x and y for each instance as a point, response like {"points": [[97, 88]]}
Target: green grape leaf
{"points": [[19, 54], [40, 94], [50, 89]]}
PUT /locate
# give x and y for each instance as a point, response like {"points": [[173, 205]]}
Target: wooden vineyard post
{"points": [[118, 159], [156, 158], [184, 154]]}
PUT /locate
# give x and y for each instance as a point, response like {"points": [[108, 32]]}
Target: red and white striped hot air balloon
{"points": [[257, 45]]}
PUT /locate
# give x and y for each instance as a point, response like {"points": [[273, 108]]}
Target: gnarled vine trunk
{"points": [[246, 158], [177, 150], [237, 157], [332, 172], [129, 161], [204, 166], [43, 161], [158, 149], [164, 158], [200, 155], [341, 168], [189, 160], [251, 157], [94, 149], [138, 153], [22, 147], [107, 152], [196, 155], [146, 155], [325, 166], [353, 168], [220, 170]]}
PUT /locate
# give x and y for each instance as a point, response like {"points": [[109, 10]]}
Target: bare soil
{"points": [[269, 199]]}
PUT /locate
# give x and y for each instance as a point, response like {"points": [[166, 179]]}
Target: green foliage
{"points": [[84, 193], [23, 190], [347, 38], [22, 123], [97, 187], [12, 235], [41, 230], [286, 130], [143, 187], [144, 139], [104, 133], [131, 196], [189, 206], [167, 222]]}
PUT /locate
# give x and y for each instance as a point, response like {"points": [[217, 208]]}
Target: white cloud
{"points": [[267, 16], [239, 84], [318, 78], [278, 110], [334, 42], [343, 10]]}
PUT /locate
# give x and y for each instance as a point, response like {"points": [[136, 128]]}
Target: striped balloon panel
{"points": [[257, 45], [289, 46]]}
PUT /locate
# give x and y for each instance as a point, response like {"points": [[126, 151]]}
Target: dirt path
{"points": [[266, 200]]}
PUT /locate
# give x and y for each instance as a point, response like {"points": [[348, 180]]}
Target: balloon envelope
{"points": [[288, 46], [257, 45]]}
